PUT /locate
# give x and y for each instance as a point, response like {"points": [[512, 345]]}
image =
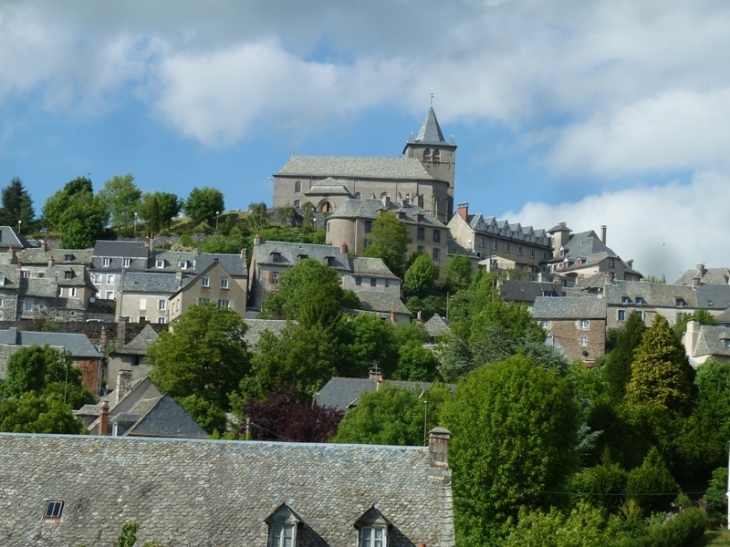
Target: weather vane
{"points": [[431, 104]]}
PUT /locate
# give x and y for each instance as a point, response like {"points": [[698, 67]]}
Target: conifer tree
{"points": [[659, 371], [617, 370]]}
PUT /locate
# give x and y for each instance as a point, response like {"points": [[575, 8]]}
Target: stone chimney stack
{"points": [[463, 211], [603, 234], [257, 239], [104, 419], [243, 254], [438, 447], [178, 277], [689, 339], [699, 274], [51, 261], [386, 201], [124, 382]]}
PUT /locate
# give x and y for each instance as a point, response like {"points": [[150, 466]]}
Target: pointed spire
{"points": [[430, 130]]}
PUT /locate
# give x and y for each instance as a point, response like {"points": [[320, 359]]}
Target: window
{"points": [[28, 305], [68, 274], [373, 281], [680, 316], [224, 303], [519, 250], [298, 186], [640, 300], [203, 300], [297, 203], [727, 343], [437, 155], [274, 277], [96, 278], [545, 324], [680, 303], [161, 320], [437, 236], [282, 535], [68, 257], [584, 324], [495, 245], [436, 254], [507, 247], [110, 279], [330, 261], [358, 281], [372, 529], [611, 263], [372, 536], [60, 291], [532, 253], [72, 292], [159, 263], [583, 340], [283, 527], [420, 234], [183, 264], [109, 295], [544, 255], [625, 300], [387, 284], [126, 262], [420, 249], [427, 154], [224, 282], [205, 281], [621, 315], [482, 241], [276, 257], [106, 262], [162, 304], [368, 226], [142, 303], [53, 510], [142, 319]]}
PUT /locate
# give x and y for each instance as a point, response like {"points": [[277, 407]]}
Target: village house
{"points": [[703, 342], [56, 492]]}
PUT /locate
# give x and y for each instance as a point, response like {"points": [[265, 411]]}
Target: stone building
{"points": [[424, 175], [199, 493]]}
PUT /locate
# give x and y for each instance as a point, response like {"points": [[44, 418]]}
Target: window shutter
{"points": [[271, 277]]}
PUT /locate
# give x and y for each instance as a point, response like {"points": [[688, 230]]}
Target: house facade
{"points": [[425, 175], [56, 492]]}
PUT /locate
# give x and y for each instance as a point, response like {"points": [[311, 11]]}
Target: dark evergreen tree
{"points": [[617, 367], [17, 205]]}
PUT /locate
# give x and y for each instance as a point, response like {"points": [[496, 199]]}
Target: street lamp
{"points": [[135, 224], [19, 222], [216, 220]]}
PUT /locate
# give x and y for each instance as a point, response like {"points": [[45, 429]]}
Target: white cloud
{"points": [[668, 229]]}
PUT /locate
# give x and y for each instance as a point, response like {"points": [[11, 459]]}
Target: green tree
{"points": [[58, 203], [369, 341], [121, 197], [659, 370], [651, 485], [703, 317], [258, 216], [389, 240], [286, 214], [34, 413], [514, 431], [716, 494], [77, 214], [458, 273], [601, 485], [204, 204], [154, 222], [617, 365], [310, 293], [420, 276], [206, 355], [308, 216], [17, 205], [393, 415], [169, 206]]}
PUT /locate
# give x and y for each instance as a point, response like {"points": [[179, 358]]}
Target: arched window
{"points": [[298, 186], [427, 154], [437, 155]]}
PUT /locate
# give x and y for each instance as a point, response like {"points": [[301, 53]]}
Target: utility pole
{"points": [[425, 421]]}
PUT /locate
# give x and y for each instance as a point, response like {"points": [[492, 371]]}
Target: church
{"points": [[423, 175]]}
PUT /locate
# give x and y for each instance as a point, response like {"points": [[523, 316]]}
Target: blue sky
{"points": [[607, 112]]}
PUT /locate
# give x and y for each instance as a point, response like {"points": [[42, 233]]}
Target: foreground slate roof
{"points": [[78, 344], [216, 493], [344, 393], [569, 307]]}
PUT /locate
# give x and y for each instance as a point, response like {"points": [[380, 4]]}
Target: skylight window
{"points": [[53, 510]]}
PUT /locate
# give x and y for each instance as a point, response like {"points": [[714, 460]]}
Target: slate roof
{"points": [[121, 249], [437, 326], [713, 297], [361, 167], [152, 282], [657, 295], [343, 393], [256, 327], [140, 343], [328, 187], [723, 318], [370, 208], [528, 291], [39, 287], [10, 238], [158, 417], [371, 267], [505, 229], [584, 245], [234, 264], [712, 276], [37, 256], [381, 302], [290, 253], [568, 307], [430, 132], [202, 493], [711, 341], [78, 344]]}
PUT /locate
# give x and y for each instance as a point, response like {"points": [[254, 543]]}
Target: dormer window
{"points": [[625, 300], [372, 529], [106, 261], [302, 257], [562, 252], [68, 258], [126, 262], [284, 525], [640, 300], [159, 263], [680, 303], [330, 261], [275, 257], [68, 274], [183, 264]]}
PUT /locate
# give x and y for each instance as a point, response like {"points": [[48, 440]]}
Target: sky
{"points": [[612, 112]]}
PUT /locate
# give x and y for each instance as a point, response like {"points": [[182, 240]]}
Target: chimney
{"points": [[12, 257], [343, 249], [375, 374], [689, 339], [257, 239], [386, 201], [178, 276], [44, 245], [124, 381], [103, 341], [51, 262], [438, 447], [419, 316], [630, 262], [463, 211], [243, 254], [104, 419], [699, 273], [393, 317], [147, 241], [603, 234]]}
